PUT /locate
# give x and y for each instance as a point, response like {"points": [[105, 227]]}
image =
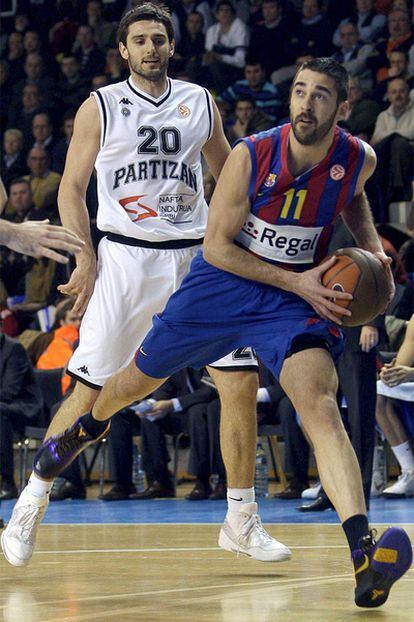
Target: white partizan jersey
{"points": [[150, 182]]}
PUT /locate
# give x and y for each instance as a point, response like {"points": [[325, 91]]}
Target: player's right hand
{"points": [[81, 284], [308, 285]]}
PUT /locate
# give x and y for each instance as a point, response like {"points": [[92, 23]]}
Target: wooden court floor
{"points": [[176, 573]]}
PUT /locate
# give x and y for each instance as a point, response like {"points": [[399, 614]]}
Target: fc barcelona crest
{"points": [[270, 180]]}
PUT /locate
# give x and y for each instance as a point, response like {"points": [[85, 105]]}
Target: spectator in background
{"points": [[226, 44], [60, 150], [270, 35], [115, 67], [91, 60], [183, 9], [44, 182], [353, 54], [264, 93], [42, 132], [22, 112], [189, 53], [312, 34], [34, 69], [15, 56], [249, 119], [72, 88], [400, 38], [362, 112], [14, 266], [370, 24], [20, 405], [393, 132], [395, 412], [105, 32], [21, 206], [65, 339], [180, 400], [398, 68], [6, 82], [32, 42], [13, 160]]}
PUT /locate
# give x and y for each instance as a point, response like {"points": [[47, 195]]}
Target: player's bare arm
{"points": [[217, 148], [358, 218], [401, 369], [80, 161], [229, 209]]}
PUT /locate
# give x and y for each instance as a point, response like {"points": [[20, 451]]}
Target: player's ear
{"points": [[123, 51], [343, 110], [172, 48]]}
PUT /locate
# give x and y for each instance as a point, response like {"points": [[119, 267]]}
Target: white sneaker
{"points": [[377, 484], [251, 538], [312, 492], [18, 539], [403, 487]]}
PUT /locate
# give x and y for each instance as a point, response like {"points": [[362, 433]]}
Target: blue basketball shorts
{"points": [[215, 312]]}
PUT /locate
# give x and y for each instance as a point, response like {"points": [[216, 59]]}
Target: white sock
{"points": [[38, 487], [404, 455], [236, 497]]}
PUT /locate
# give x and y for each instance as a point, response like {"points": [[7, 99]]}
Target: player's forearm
{"points": [[229, 257], [358, 218], [6, 232], [74, 215]]}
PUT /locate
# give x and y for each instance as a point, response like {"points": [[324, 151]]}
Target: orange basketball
{"points": [[361, 274]]}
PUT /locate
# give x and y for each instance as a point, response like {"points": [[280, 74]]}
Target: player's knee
{"points": [[238, 387]]}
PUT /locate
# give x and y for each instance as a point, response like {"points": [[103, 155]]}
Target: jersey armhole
{"points": [[210, 114], [253, 176], [102, 113]]}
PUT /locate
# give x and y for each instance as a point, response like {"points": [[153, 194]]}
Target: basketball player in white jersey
{"points": [[145, 137]]}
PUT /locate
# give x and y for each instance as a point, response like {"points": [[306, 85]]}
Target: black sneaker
{"points": [[377, 565], [57, 452]]}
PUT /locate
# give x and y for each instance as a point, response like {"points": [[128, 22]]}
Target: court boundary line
{"points": [[48, 524]]}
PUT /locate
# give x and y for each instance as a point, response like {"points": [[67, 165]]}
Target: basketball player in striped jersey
{"points": [[145, 137], [258, 280]]}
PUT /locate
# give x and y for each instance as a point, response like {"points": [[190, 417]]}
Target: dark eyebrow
{"points": [[318, 86]]}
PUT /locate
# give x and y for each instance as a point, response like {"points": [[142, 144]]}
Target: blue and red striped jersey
{"points": [[291, 218]]}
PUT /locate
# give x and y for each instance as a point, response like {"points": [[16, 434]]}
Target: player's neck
{"points": [[301, 158], [155, 89]]}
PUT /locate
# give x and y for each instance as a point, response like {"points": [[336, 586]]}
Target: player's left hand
{"points": [[368, 338], [386, 262]]}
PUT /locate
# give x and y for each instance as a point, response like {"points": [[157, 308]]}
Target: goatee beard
{"points": [[316, 135]]}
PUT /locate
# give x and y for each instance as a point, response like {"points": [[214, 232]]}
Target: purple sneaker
{"points": [[377, 565], [57, 452]]}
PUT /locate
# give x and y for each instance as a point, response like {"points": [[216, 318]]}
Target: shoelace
{"points": [[72, 442], [254, 522], [367, 542], [28, 523]]}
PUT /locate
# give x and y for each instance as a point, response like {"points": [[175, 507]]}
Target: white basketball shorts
{"points": [[133, 284]]}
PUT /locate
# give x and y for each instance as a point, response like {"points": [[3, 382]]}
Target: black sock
{"points": [[93, 427], [355, 527]]}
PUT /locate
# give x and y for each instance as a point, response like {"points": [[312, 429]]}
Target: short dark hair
{"points": [[19, 180], [148, 11], [225, 3], [245, 98], [331, 68]]}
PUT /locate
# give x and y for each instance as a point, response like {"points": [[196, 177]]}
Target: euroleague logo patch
{"points": [[183, 110], [337, 172]]}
